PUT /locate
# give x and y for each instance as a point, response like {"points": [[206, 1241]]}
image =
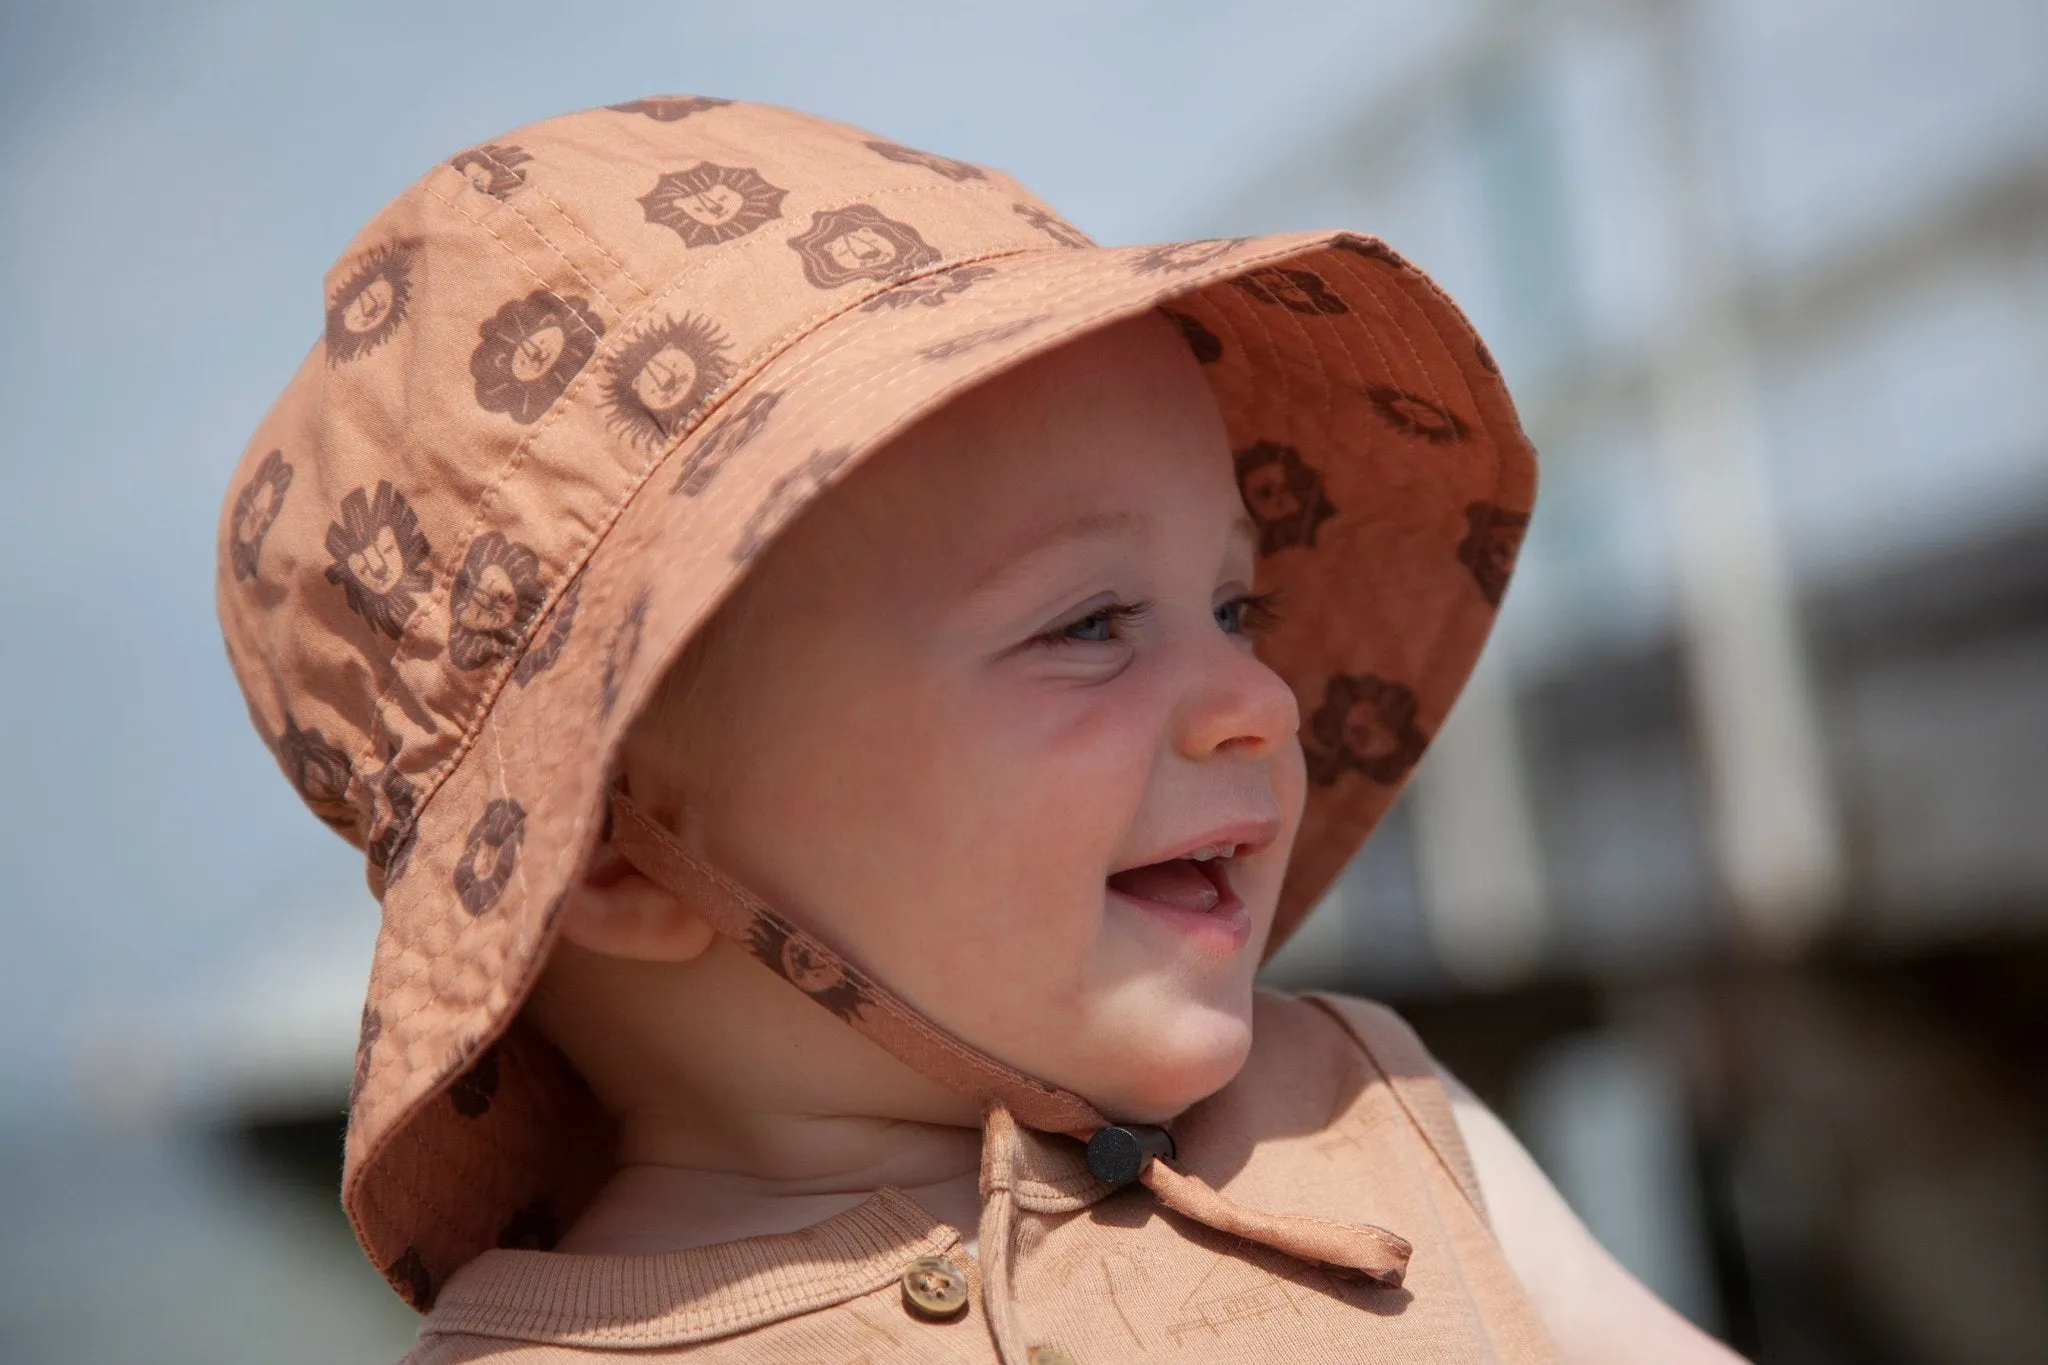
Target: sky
{"points": [[177, 929]]}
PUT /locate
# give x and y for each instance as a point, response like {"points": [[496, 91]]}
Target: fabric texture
{"points": [[574, 381], [1337, 1114]]}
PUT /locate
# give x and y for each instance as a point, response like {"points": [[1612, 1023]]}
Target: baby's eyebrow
{"points": [[1087, 526]]}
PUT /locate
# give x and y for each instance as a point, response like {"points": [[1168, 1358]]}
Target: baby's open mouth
{"points": [[1183, 883]]}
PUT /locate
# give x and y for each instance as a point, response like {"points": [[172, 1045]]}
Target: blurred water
{"points": [[171, 1248]]}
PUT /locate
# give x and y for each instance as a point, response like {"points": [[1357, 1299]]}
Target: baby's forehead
{"points": [[1121, 419]]}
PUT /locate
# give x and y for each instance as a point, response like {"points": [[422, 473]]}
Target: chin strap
{"points": [[814, 968], [1118, 1154]]}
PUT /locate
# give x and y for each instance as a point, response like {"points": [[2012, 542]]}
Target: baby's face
{"points": [[1003, 667]]}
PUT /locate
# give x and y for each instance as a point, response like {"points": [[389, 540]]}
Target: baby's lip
{"points": [[1250, 836]]}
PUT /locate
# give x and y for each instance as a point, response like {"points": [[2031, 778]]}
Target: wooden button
{"points": [[935, 1288]]}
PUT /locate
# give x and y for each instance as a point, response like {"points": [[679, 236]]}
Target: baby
{"points": [[721, 564]]}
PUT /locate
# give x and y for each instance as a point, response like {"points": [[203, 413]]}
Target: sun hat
{"points": [[575, 379]]}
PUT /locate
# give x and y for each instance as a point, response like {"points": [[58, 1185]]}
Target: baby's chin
{"points": [[1158, 1066]]}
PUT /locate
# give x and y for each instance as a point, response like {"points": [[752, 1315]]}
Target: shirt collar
{"points": [[676, 1298]]}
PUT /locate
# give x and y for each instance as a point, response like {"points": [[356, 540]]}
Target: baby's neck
{"points": [[666, 1195]]}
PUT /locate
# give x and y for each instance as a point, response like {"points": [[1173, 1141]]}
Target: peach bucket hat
{"points": [[576, 378]]}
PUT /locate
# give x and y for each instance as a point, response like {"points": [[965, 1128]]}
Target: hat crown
{"points": [[509, 348]]}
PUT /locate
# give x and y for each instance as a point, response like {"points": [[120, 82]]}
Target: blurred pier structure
{"points": [[1728, 881]]}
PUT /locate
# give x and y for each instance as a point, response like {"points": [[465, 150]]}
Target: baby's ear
{"points": [[614, 910]]}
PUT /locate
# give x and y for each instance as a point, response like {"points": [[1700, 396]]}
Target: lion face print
{"points": [[256, 508], [1052, 225], [541, 656], [1366, 724], [371, 302], [944, 165], [490, 855], [669, 108], [493, 168], [709, 204], [1416, 416], [493, 601], [656, 382], [1298, 291], [725, 438], [380, 557], [619, 656], [1206, 345], [859, 242], [793, 957], [319, 771], [1174, 256], [930, 290], [785, 498], [529, 351], [1493, 538], [1284, 494]]}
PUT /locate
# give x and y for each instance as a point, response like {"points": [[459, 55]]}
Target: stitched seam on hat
{"points": [[1436, 333], [485, 153], [1259, 315], [545, 238], [590, 240], [574, 226], [1164, 292], [542, 237]]}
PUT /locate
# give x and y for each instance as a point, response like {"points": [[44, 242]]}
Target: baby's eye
{"points": [[1097, 627], [1094, 626], [1253, 614]]}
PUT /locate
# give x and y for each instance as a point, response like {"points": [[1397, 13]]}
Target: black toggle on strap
{"points": [[1117, 1155]]}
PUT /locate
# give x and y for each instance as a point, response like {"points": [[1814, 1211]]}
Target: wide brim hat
{"points": [[576, 379]]}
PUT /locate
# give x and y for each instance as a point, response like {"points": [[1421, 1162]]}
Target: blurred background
{"points": [[1727, 882]]}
